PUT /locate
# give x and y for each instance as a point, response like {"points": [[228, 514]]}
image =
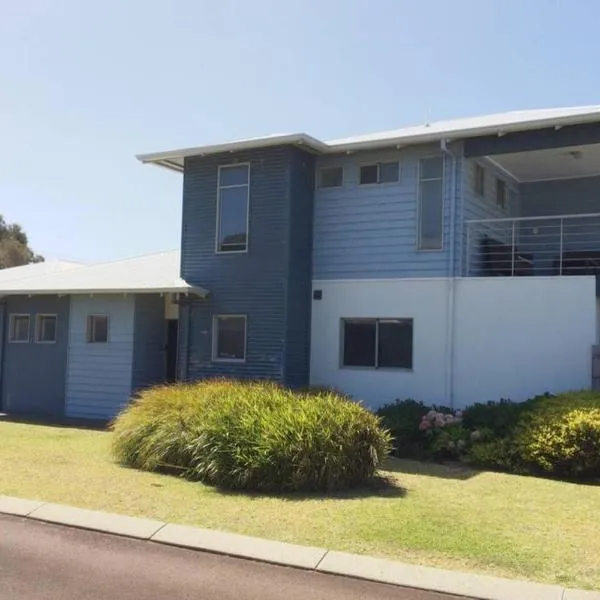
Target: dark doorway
{"points": [[172, 331]]}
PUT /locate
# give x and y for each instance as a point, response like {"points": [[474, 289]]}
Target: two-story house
{"points": [[452, 262]]}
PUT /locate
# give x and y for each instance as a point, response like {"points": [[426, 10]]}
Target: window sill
{"points": [[19, 341], [393, 369], [229, 360]]}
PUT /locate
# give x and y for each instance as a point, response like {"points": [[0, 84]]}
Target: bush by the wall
{"points": [[252, 435], [561, 435], [401, 418], [500, 418]]}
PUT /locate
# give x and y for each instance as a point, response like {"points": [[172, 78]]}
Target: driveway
{"points": [[42, 561]]}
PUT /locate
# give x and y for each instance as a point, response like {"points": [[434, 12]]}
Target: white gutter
{"points": [[198, 291]]}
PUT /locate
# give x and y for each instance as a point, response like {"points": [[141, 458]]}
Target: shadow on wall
{"points": [[54, 421]]}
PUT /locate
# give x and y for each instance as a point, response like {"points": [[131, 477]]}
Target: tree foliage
{"points": [[14, 246]]}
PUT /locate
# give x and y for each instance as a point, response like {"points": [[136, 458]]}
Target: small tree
{"points": [[14, 246]]}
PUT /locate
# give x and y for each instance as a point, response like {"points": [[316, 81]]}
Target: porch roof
{"points": [[454, 129], [154, 273]]}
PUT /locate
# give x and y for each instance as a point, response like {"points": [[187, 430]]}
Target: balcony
{"points": [[533, 246]]}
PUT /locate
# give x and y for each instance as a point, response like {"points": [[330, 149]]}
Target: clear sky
{"points": [[86, 85]]}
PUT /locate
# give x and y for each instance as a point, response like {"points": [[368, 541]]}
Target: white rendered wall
{"points": [[423, 300], [517, 337], [513, 337]]}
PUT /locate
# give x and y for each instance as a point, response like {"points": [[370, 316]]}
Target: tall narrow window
{"points": [[479, 180], [232, 211], [229, 337], [431, 203], [500, 193]]}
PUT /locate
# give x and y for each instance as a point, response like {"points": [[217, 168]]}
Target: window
{"points": [[479, 180], [45, 329], [331, 177], [229, 337], [431, 203], [97, 329], [18, 328], [377, 343], [500, 193], [388, 172], [232, 211]]}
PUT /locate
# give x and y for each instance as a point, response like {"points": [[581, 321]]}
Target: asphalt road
{"points": [[43, 561]]}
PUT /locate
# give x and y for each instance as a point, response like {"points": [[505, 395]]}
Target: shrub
{"points": [[500, 418], [561, 435], [251, 435], [498, 454], [402, 418]]}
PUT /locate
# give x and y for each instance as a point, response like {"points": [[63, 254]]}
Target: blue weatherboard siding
{"points": [[149, 358], [370, 231], [99, 376], [33, 374], [475, 206], [258, 283]]}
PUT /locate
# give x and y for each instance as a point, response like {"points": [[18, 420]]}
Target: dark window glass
{"points": [[230, 338], [19, 328], [395, 344], [432, 168], [500, 193], [359, 343], [233, 219], [431, 215], [389, 172], [235, 175], [369, 174], [331, 177], [46, 328], [479, 180], [97, 329]]}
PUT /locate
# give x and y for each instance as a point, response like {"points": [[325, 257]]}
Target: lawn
{"points": [[440, 516]]}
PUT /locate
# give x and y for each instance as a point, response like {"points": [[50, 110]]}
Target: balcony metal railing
{"points": [[551, 245]]}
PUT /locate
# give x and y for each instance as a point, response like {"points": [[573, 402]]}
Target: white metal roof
{"points": [[144, 274], [36, 269], [454, 129]]}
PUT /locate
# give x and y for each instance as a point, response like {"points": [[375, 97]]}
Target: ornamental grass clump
{"points": [[253, 436]]}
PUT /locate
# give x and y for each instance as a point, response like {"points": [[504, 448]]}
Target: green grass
{"points": [[440, 516]]}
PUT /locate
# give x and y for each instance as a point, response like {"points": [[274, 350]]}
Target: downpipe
{"points": [[450, 296]]}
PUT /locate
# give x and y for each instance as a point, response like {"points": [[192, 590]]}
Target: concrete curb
{"points": [[481, 587]]}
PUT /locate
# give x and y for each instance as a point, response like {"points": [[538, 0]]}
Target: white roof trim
{"points": [[455, 129], [183, 289]]}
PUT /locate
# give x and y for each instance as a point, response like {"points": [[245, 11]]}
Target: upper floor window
{"points": [[431, 203], [18, 331], [500, 193], [233, 198], [479, 180], [331, 177], [386, 172]]}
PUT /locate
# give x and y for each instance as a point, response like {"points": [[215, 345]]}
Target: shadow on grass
{"points": [[381, 486], [457, 470], [53, 421]]}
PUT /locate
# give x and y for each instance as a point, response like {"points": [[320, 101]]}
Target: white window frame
{"points": [[479, 168], [38, 319], [88, 336], [442, 238], [329, 187], [239, 185], [215, 338], [378, 165], [376, 321], [11, 325]]}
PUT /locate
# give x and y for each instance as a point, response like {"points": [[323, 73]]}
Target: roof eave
{"points": [[197, 291]]}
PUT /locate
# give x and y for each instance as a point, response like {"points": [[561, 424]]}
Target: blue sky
{"points": [[86, 85]]}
